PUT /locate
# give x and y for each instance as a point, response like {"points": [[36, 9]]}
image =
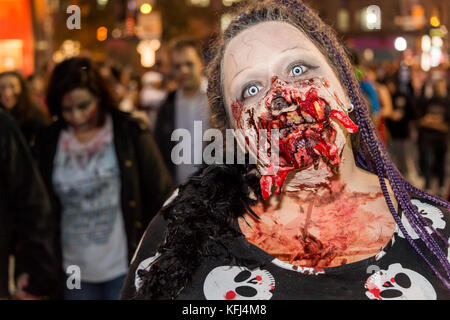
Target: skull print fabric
{"points": [[237, 283], [430, 213], [396, 273], [398, 283]]}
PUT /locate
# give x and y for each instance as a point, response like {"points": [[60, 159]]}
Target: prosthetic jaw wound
{"points": [[301, 114]]}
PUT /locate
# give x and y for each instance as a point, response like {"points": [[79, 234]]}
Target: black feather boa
{"points": [[200, 225]]}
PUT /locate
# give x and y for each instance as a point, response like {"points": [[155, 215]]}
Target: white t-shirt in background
{"points": [[86, 178]]}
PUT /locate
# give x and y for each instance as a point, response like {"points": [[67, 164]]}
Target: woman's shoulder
{"points": [[134, 121]]}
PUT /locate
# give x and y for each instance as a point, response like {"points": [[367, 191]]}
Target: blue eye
{"points": [[251, 90], [298, 70]]}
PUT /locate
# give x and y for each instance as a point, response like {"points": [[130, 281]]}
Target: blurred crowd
{"points": [[87, 151], [410, 109]]}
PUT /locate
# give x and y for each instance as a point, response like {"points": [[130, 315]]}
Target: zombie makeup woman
{"points": [[15, 98], [105, 176], [332, 218]]}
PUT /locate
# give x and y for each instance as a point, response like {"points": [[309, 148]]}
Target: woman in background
{"points": [[105, 176], [16, 99]]}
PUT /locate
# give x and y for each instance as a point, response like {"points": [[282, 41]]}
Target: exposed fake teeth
{"points": [[292, 107], [306, 134]]}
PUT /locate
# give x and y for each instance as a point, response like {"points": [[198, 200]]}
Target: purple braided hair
{"points": [[384, 167], [370, 153]]}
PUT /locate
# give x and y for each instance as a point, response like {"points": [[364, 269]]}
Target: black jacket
{"points": [[145, 180], [24, 214], [400, 129], [31, 125], [165, 125]]}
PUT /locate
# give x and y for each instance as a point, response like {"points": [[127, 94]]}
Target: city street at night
{"points": [[224, 150]]}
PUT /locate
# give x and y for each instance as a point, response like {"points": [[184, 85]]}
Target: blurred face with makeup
{"points": [[80, 109], [10, 90]]}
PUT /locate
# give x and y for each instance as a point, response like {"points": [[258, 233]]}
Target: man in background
{"points": [[188, 103]]}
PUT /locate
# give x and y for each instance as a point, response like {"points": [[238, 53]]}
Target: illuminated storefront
{"points": [[16, 36]]}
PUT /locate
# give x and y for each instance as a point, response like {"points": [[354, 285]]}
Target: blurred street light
{"points": [[102, 33], [102, 3], [199, 3], [400, 44], [146, 8], [69, 48], [373, 17], [425, 61], [426, 43], [147, 49], [435, 22]]}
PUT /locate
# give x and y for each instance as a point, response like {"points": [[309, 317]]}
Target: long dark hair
{"points": [[370, 153], [25, 109], [78, 73]]}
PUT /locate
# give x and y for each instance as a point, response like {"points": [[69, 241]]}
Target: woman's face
{"points": [[10, 90], [80, 109], [275, 78]]}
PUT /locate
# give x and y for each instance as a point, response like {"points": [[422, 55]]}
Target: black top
{"points": [[400, 128], [439, 106], [165, 125], [397, 272], [24, 214]]}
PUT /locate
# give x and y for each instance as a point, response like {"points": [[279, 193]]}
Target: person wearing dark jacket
{"points": [[434, 123], [398, 124], [24, 212], [105, 176], [15, 98], [184, 108]]}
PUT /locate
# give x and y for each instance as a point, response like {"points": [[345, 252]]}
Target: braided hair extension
{"points": [[199, 217], [369, 151]]}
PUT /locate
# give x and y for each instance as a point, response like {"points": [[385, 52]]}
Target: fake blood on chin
{"points": [[306, 134]]}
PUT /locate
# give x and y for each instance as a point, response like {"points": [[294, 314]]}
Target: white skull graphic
{"points": [[238, 283], [429, 212], [398, 283], [144, 265]]}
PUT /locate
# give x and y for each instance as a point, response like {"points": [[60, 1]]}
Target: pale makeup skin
{"points": [[346, 211], [188, 68], [80, 111], [10, 89]]}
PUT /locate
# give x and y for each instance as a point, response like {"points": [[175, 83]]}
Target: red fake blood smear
{"points": [[230, 295], [340, 220], [258, 278], [376, 293], [305, 143], [237, 108]]}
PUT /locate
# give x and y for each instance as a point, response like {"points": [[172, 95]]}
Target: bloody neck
{"points": [[329, 224]]}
